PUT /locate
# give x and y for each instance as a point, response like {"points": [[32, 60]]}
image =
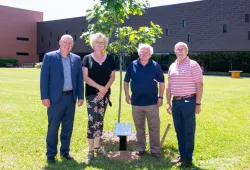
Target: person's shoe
{"points": [[51, 160], [139, 153], [176, 160], [156, 155], [100, 151], [67, 157], [185, 164], [90, 156]]}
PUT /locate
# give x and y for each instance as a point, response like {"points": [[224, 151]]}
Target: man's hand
{"points": [[198, 109], [128, 99], [80, 103], [46, 102], [160, 101], [169, 108]]}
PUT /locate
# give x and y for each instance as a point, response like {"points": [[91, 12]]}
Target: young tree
{"points": [[108, 17]]}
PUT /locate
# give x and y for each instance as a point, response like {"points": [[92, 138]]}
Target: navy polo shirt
{"points": [[144, 81]]}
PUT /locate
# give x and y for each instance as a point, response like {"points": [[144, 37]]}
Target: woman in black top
{"points": [[99, 74]]}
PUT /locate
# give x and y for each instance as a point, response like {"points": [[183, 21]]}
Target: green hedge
{"points": [[210, 61], [8, 62]]}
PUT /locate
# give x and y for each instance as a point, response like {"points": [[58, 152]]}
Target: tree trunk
{"points": [[120, 94]]}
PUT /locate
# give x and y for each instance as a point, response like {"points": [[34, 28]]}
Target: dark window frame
{"points": [[22, 53], [184, 23], [189, 38], [22, 39], [247, 18], [224, 29], [167, 32]]}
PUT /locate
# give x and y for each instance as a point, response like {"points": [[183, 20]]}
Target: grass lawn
{"points": [[222, 136]]}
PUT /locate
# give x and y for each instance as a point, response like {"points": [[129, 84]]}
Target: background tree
{"points": [[108, 17]]}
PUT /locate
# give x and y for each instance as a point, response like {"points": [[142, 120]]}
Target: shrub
{"points": [[8, 62], [38, 65]]}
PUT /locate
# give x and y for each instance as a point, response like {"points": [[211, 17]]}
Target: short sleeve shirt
{"points": [[144, 81], [183, 77], [100, 73]]}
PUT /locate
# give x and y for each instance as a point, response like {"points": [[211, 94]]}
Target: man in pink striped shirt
{"points": [[185, 84]]}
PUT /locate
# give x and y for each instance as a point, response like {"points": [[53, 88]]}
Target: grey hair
{"points": [[93, 37], [66, 36], [181, 43], [146, 46]]}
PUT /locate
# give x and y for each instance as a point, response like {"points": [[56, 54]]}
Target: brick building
{"points": [[18, 34], [208, 25]]}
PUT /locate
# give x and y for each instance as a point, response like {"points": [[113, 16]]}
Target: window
{"points": [[184, 23], [167, 31], [224, 28], [189, 37], [21, 53], [22, 38], [247, 18], [248, 35]]}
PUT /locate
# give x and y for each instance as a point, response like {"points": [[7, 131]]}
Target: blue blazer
{"points": [[52, 77]]}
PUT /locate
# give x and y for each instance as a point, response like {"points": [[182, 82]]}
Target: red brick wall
{"points": [[15, 23]]}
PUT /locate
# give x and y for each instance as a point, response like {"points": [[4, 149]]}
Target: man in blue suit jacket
{"points": [[61, 84]]}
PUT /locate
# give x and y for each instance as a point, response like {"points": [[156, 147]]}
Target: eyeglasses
{"points": [[69, 43], [99, 42], [180, 49]]}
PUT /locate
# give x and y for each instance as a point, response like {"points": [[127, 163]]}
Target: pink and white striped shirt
{"points": [[183, 77]]}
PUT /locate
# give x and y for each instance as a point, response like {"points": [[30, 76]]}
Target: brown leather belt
{"points": [[184, 97], [67, 92]]}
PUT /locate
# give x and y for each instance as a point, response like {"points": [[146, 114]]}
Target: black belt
{"points": [[67, 92]]}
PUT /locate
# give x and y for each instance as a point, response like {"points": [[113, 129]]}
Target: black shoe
{"points": [[139, 153], [176, 160], [51, 160], [156, 155], [185, 164], [67, 157]]}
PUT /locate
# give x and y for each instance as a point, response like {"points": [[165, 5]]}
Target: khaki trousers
{"points": [[140, 113]]}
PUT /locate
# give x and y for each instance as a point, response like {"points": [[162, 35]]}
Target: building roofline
{"points": [[21, 8]]}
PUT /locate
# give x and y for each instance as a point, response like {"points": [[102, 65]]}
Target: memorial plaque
{"points": [[123, 129]]}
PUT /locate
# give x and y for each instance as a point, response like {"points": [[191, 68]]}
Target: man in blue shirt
{"points": [[145, 74], [61, 84]]}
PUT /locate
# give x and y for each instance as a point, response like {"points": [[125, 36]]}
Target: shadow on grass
{"points": [[145, 162]]}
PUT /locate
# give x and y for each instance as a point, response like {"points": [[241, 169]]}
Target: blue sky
{"points": [[58, 9]]}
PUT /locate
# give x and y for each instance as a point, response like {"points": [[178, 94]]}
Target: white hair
{"points": [[181, 43], [66, 36], [146, 46]]}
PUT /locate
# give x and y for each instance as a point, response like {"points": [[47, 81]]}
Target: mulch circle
{"points": [[108, 138], [123, 155]]}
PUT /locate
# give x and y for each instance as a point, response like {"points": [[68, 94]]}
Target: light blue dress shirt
{"points": [[67, 74]]}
